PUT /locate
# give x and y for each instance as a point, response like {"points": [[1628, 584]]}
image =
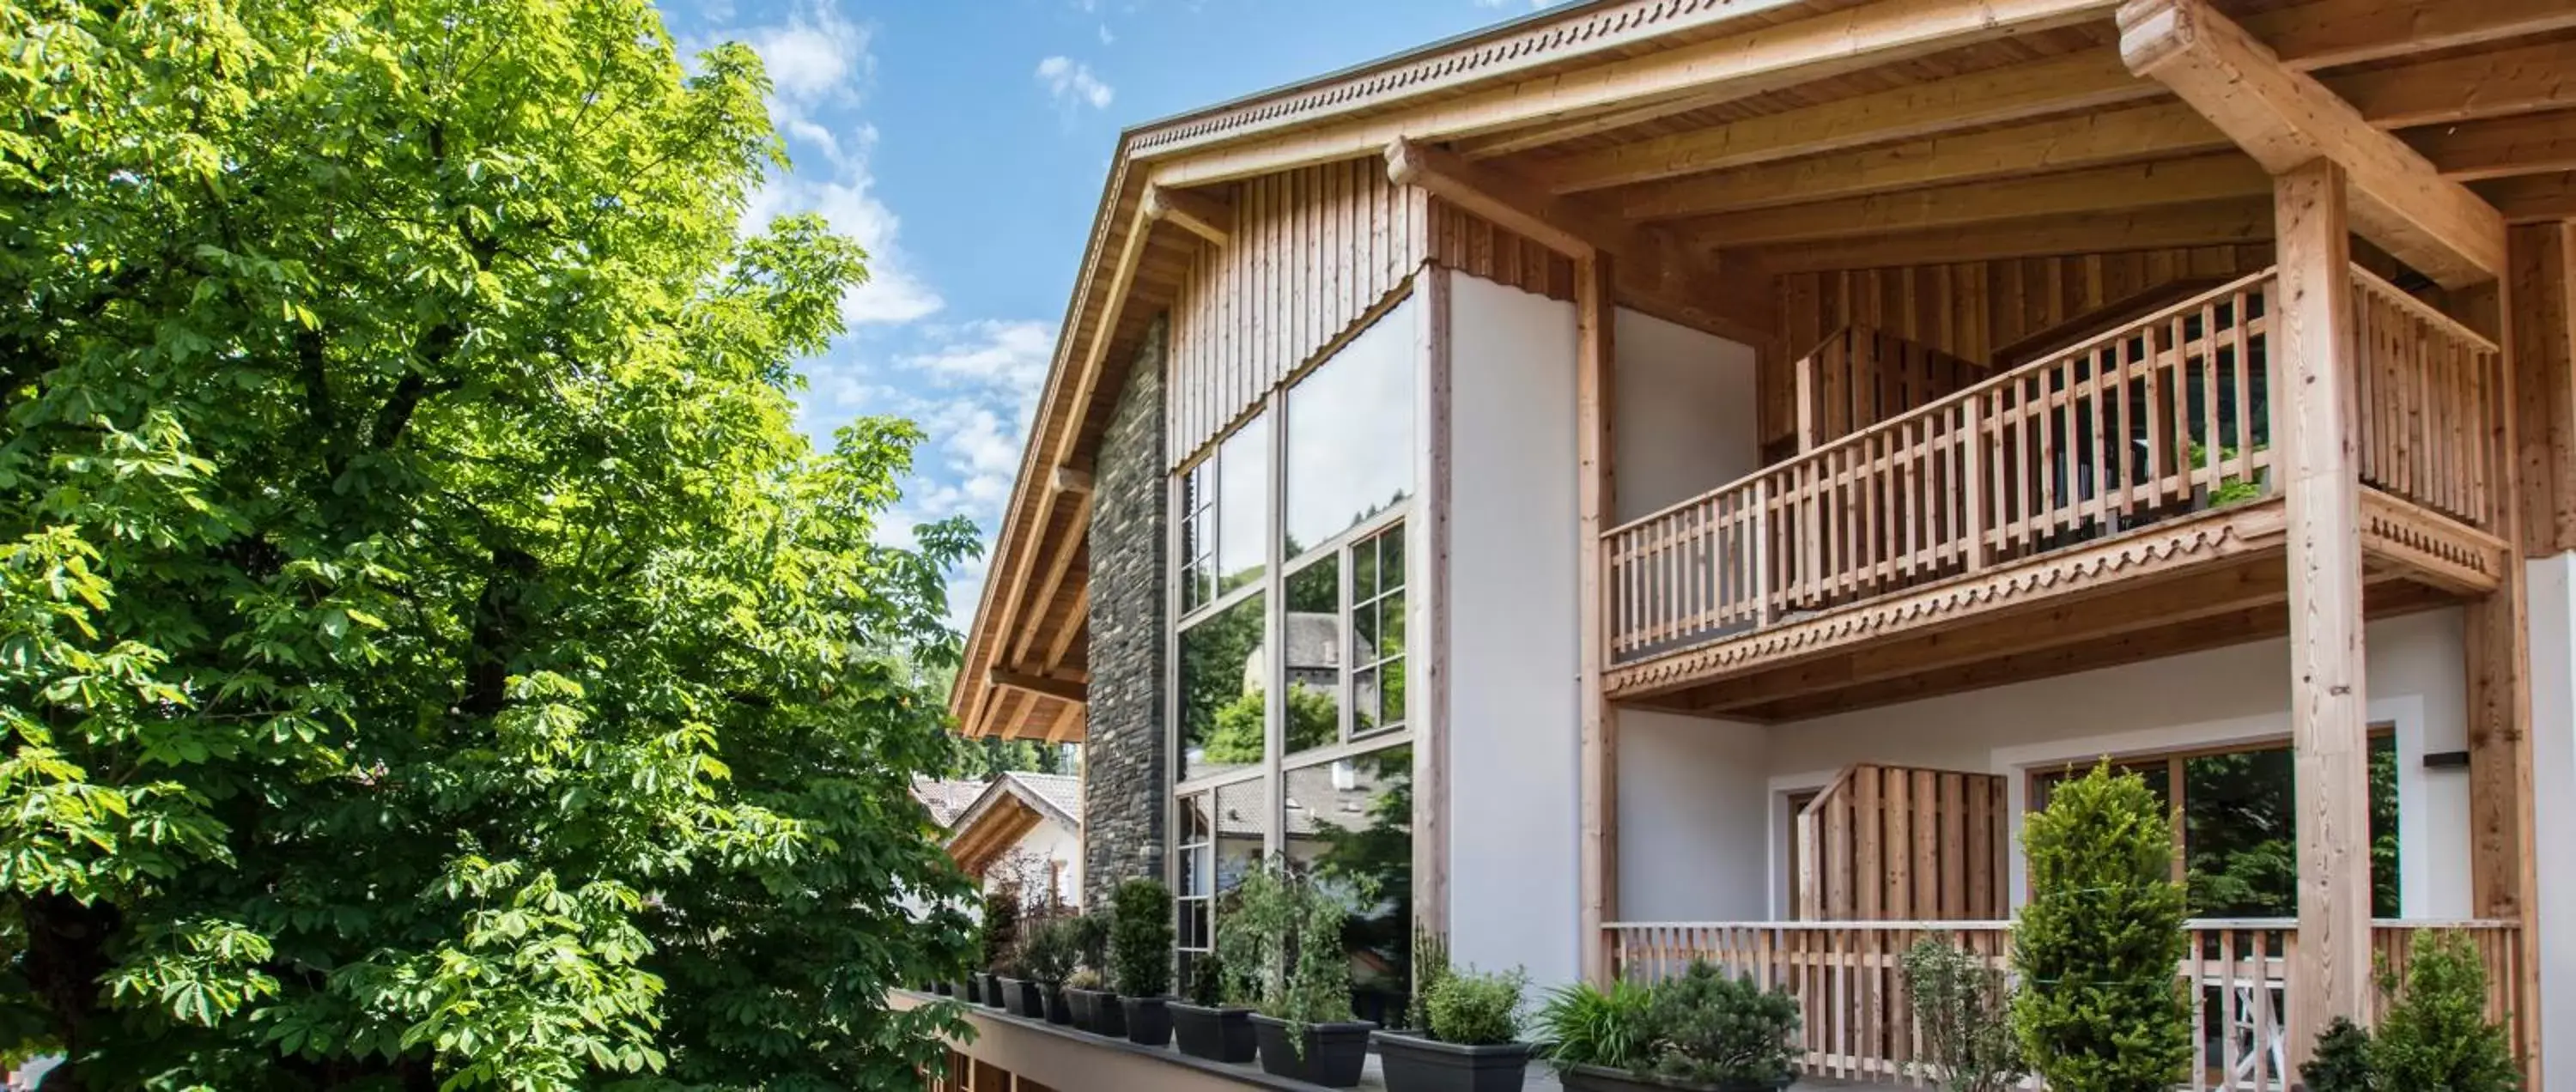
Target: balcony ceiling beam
{"points": [[2213, 223], [1652, 267], [2219, 177], [2285, 119], [1045, 686], [1749, 62], [1190, 211]]}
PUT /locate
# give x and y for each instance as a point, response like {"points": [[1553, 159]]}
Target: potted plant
{"points": [[1282, 946], [1716, 1031], [1468, 1040], [2095, 948], [1597, 1038], [1049, 957], [1000, 937], [1087, 994], [1206, 1026], [1962, 1006], [1140, 959]]}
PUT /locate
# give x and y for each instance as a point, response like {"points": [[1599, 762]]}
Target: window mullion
{"points": [[1275, 626]]}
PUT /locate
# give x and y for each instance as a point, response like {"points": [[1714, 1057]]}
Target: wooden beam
{"points": [[2532, 199], [2499, 147], [1749, 62], [2159, 131], [2477, 85], [1653, 268], [2314, 351], [2541, 354], [2137, 186], [1193, 212], [2328, 33], [2284, 118], [1048, 686], [1596, 498], [1066, 479], [2218, 223]]}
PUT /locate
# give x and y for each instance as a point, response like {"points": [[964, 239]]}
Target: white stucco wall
{"points": [[1693, 829], [1512, 714], [2229, 695], [1057, 843], [2551, 598], [1687, 413]]}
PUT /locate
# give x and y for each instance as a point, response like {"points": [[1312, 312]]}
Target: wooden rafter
{"points": [[2476, 85], [2216, 223], [2284, 119], [2127, 187], [1046, 686], [2533, 199], [1748, 62], [2500, 147], [2338, 32], [1191, 211]]}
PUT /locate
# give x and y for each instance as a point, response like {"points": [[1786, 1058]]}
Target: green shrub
{"points": [[1090, 936], [2434, 1031], [2341, 1062], [1474, 1009], [1582, 1024], [1001, 933], [1281, 940], [1963, 1006], [1086, 978], [1140, 938], [1710, 1027], [1207, 980], [2100, 1009], [1051, 950]]}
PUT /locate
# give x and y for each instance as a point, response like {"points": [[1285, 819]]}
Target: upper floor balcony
{"points": [[1947, 525]]}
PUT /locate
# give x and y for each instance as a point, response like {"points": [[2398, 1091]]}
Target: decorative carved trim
{"points": [[2432, 547], [2160, 550]]}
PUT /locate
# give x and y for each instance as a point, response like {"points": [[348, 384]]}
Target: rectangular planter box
{"points": [[988, 989], [1097, 1012], [1054, 1005], [1149, 1020], [1020, 998], [1216, 1034], [1593, 1078], [1331, 1055], [1417, 1064]]}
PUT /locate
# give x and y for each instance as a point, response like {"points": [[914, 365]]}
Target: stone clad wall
{"points": [[1125, 786]]}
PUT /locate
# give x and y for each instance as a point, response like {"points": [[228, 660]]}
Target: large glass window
{"points": [[1350, 435], [1333, 452]]}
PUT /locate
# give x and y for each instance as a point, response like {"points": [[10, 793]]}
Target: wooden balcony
{"points": [[1857, 1023], [2110, 501]]}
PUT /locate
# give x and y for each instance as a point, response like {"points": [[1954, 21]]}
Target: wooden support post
{"points": [[1596, 493], [2541, 349], [2331, 969]]}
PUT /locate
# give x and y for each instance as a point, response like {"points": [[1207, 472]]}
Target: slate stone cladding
{"points": [[1127, 790]]}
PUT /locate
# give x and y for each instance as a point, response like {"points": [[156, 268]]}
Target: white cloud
{"points": [[816, 56], [1072, 85], [1107, 38]]}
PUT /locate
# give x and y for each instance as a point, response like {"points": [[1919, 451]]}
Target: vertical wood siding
{"points": [[1971, 309], [1312, 252]]}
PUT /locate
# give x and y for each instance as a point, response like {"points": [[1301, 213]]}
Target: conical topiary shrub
{"points": [[2100, 1009]]}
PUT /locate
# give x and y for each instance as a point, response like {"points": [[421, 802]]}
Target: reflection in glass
{"points": [[1222, 715], [1314, 627], [1352, 821], [1197, 868], [1350, 434], [1198, 535], [1242, 823], [2241, 832], [1377, 632], [1243, 504]]}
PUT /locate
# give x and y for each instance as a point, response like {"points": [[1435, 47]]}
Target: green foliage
{"points": [[1281, 941], [2342, 1060], [2231, 488], [2434, 1032], [1710, 1027], [1314, 719], [1430, 969], [1086, 978], [2099, 1009], [1582, 1024], [429, 652], [1475, 1009], [1050, 950], [1140, 938], [999, 932], [1090, 934], [1209, 981], [1964, 1009]]}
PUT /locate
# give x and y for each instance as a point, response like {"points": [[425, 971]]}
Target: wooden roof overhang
{"points": [[1005, 813], [1776, 136]]}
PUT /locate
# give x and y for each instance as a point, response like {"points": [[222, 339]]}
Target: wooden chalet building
{"points": [[1698, 470]]}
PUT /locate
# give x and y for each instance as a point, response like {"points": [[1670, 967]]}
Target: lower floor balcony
{"points": [[1856, 1020]]}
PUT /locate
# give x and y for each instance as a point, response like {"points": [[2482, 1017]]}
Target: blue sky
{"points": [[964, 142]]}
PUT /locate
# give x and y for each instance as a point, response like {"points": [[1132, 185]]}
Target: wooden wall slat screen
{"points": [[1861, 375], [1970, 309], [1893, 843], [1312, 252]]}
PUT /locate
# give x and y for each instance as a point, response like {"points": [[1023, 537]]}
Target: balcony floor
{"points": [[2214, 579]]}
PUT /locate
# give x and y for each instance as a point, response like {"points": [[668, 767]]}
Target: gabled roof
{"points": [[946, 799], [1007, 810]]}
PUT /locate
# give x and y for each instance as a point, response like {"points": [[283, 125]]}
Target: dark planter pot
{"points": [[944, 989], [1418, 1064], [1332, 1054], [1216, 1034], [1149, 1020], [1097, 1012], [988, 989], [1057, 1008], [1593, 1078], [1020, 997]]}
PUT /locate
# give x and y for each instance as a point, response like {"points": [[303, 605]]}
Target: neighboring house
{"points": [[1023, 828], [946, 799], [1710, 466]]}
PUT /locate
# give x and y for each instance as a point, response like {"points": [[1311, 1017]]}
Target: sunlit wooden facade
{"points": [[2085, 334]]}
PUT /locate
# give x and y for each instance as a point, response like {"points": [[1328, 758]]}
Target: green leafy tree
{"points": [[429, 654], [2099, 1009], [2435, 1032]]}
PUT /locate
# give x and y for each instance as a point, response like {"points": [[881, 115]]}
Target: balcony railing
{"points": [[2163, 417], [1857, 1021]]}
